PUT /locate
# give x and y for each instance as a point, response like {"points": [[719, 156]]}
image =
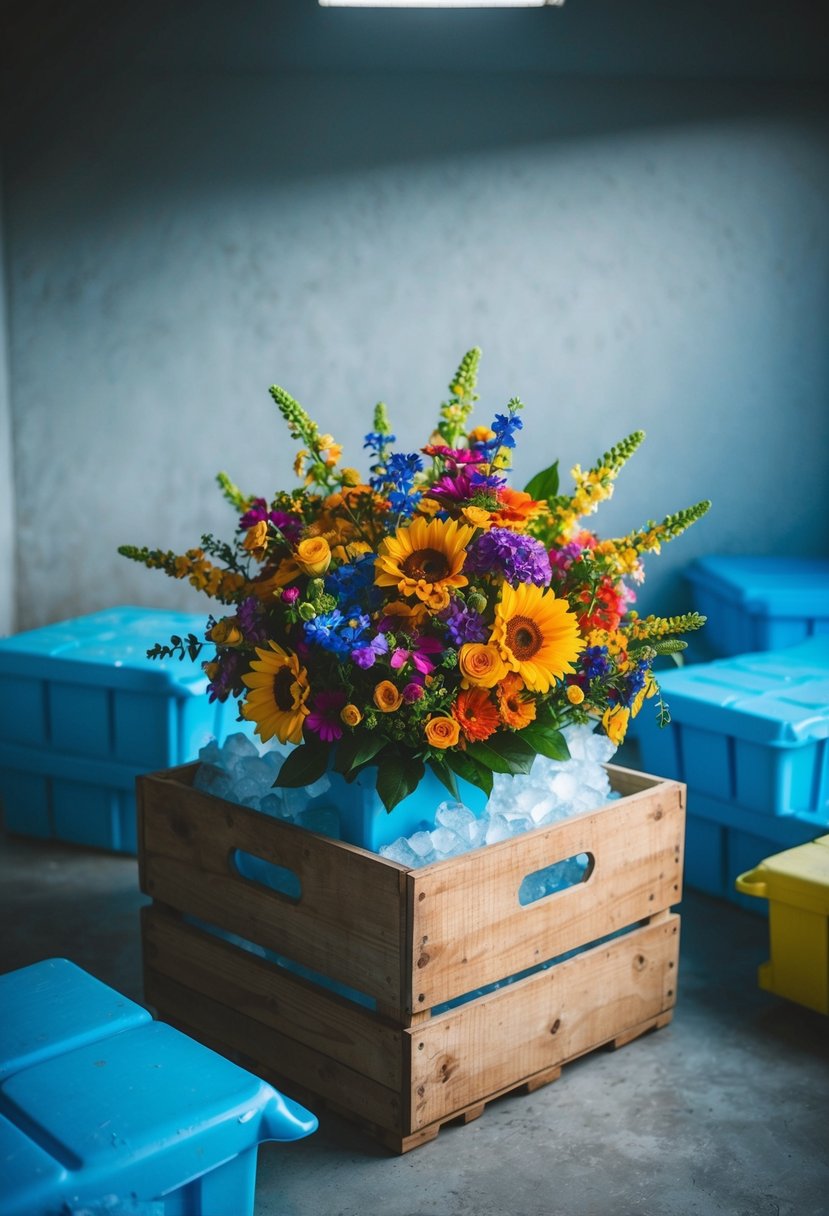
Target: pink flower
{"points": [[324, 718]]}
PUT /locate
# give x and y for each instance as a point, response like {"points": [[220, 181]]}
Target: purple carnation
{"points": [[248, 614], [519, 558], [463, 624]]}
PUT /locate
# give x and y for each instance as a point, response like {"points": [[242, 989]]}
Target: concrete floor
{"points": [[724, 1111]]}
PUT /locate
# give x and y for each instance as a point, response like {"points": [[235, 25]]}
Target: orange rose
{"points": [[313, 555], [351, 715], [387, 698], [481, 664], [442, 732]]}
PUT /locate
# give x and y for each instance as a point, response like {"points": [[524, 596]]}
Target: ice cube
{"points": [[239, 745], [400, 852], [421, 843], [497, 829]]}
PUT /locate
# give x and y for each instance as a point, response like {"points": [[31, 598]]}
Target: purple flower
{"points": [[412, 692], [518, 558], [248, 614], [366, 656], [324, 718], [463, 624], [289, 525], [290, 595], [228, 678]]}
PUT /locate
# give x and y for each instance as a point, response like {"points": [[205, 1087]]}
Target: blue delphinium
{"points": [[519, 558]]}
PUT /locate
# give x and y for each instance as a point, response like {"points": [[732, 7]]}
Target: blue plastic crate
{"points": [[83, 712], [137, 1119], [760, 603], [723, 840], [750, 730]]}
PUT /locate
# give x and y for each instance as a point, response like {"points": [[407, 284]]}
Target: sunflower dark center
{"points": [[428, 564], [282, 694], [523, 637]]}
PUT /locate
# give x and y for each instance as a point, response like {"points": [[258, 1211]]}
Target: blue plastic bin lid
{"points": [[776, 697], [53, 1006], [767, 586], [109, 648], [146, 1110], [28, 1175]]}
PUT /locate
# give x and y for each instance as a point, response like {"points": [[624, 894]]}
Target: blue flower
{"points": [[595, 662]]}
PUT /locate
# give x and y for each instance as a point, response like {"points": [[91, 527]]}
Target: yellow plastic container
{"points": [[796, 884]]}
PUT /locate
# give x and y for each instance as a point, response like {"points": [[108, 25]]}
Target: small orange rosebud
{"points": [[351, 715], [575, 695], [442, 732], [387, 697]]}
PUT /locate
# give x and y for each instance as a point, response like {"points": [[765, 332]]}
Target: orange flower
{"points": [[575, 695], [256, 539], [387, 698], [476, 713], [515, 509], [481, 664], [351, 715], [517, 711], [442, 732]]}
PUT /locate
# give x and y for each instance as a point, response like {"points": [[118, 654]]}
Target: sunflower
{"points": [[278, 692], [537, 635], [424, 559]]}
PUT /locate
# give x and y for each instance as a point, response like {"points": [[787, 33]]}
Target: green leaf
{"points": [[503, 753], [544, 484], [304, 765], [470, 770], [444, 774], [357, 749], [397, 777], [547, 742]]}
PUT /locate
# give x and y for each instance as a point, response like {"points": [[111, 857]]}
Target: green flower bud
{"points": [[307, 612]]}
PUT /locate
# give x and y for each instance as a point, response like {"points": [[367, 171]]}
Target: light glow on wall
{"points": [[440, 3]]}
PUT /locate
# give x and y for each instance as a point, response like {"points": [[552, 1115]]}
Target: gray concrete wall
{"points": [[197, 220], [8, 548]]}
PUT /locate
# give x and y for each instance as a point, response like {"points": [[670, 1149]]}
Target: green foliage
{"points": [[398, 775], [621, 452], [300, 426], [503, 753], [304, 765], [178, 648], [232, 492], [466, 377], [545, 484]]}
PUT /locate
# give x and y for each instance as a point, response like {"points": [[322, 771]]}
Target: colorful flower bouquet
{"points": [[431, 614]]}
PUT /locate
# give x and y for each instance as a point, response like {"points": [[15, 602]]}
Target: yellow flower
{"points": [[648, 689], [387, 698], [313, 555], [477, 517], [615, 722], [425, 560], [574, 694], [536, 634], [256, 539], [299, 462], [480, 434], [481, 664], [350, 476], [442, 732], [278, 692], [226, 632], [351, 715]]}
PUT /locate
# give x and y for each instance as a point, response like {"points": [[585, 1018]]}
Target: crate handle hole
{"points": [[555, 878], [267, 874]]}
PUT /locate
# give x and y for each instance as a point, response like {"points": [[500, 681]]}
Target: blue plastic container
{"points": [[83, 711], [760, 603], [144, 1118], [364, 821], [750, 730], [723, 840], [55, 1006]]}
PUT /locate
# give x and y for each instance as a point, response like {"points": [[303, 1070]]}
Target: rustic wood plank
{"points": [[258, 989], [463, 1056], [347, 923], [266, 1051], [469, 930]]}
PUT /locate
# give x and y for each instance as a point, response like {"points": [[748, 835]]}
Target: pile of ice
{"points": [[551, 791], [243, 772]]}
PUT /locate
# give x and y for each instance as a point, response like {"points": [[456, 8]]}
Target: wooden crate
{"points": [[410, 941]]}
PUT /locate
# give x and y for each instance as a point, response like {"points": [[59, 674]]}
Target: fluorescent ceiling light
{"points": [[440, 3]]}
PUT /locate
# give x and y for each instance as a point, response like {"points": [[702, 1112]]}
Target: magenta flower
{"points": [[290, 595], [412, 692], [324, 718], [419, 653]]}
